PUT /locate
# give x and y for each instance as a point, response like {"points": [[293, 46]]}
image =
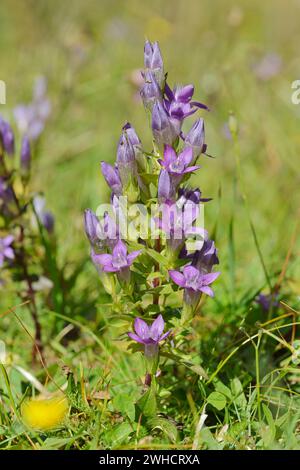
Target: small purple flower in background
{"points": [[6, 250], [150, 336], [268, 67], [46, 218], [117, 262], [194, 282], [267, 301], [7, 137], [178, 165], [31, 118], [25, 156]]}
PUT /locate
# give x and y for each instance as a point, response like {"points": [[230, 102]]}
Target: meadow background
{"points": [[90, 52]]}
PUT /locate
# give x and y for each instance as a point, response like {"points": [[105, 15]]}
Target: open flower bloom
{"points": [[6, 250], [118, 260], [178, 165], [150, 336], [178, 102], [194, 281], [44, 413]]}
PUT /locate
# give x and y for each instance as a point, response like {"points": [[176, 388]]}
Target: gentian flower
{"points": [[267, 301], [150, 91], [207, 257], [178, 102], [45, 217], [194, 282], [150, 336], [92, 226], [162, 127], [25, 157], [7, 137], [6, 250], [166, 190], [153, 60], [178, 165], [112, 178], [117, 262], [195, 139], [126, 163], [31, 118]]}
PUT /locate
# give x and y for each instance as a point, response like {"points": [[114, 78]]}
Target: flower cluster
{"points": [[24, 222], [157, 178]]}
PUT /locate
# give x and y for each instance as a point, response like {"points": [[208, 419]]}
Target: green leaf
{"points": [[238, 393], [119, 433], [147, 403], [123, 403], [168, 428], [157, 257], [217, 400]]}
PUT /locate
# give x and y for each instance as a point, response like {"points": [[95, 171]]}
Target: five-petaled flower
{"points": [[150, 336], [178, 165], [117, 262], [193, 280]]}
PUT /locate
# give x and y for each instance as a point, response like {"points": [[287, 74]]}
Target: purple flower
{"points": [[267, 301], [193, 281], [166, 190], [126, 158], [150, 336], [25, 157], [163, 129], [45, 217], [31, 118], [178, 165], [92, 226], [177, 223], [7, 137], [112, 178], [6, 250], [195, 138], [119, 260], [153, 60], [178, 102], [150, 91], [206, 258]]}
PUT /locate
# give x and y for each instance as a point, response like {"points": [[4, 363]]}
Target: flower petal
{"points": [[120, 249], [177, 277], [165, 335], [131, 257], [135, 338], [141, 328], [157, 328], [9, 253], [169, 155], [8, 240], [186, 156], [207, 290], [103, 259], [190, 169], [209, 278]]}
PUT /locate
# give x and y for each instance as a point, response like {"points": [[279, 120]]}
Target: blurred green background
{"points": [[242, 57]]}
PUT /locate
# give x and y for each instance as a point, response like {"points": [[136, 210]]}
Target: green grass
{"points": [[236, 382]]}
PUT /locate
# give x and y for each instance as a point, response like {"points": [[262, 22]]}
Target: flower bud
{"points": [[195, 138], [112, 178], [162, 128], [25, 157], [150, 91], [153, 60], [91, 225], [7, 137]]}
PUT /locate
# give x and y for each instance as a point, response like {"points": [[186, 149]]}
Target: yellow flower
{"points": [[44, 413]]}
